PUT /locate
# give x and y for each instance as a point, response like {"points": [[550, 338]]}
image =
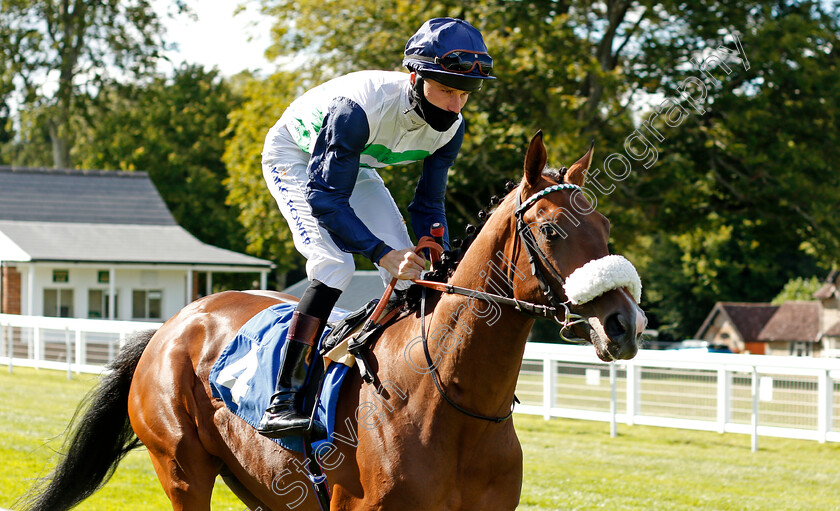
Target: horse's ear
{"points": [[576, 174], [535, 159]]}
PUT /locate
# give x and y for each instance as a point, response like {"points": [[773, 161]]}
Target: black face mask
{"points": [[438, 118]]}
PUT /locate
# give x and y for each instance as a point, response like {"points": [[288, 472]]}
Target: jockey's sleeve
{"points": [[428, 204], [332, 171]]}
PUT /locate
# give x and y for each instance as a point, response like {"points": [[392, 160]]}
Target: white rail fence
{"points": [[792, 397], [71, 344]]}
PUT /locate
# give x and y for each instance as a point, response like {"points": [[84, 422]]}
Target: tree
{"points": [[77, 46], [798, 289], [267, 234], [29, 144], [540, 62], [173, 128], [740, 195]]}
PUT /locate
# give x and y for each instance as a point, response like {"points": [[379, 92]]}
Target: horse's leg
{"points": [[241, 491], [166, 413], [186, 471]]}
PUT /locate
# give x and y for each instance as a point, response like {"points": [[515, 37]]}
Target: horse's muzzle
{"points": [[616, 333]]}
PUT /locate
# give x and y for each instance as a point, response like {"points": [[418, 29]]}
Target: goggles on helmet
{"points": [[461, 61]]}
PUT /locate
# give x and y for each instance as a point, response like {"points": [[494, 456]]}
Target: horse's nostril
{"points": [[615, 326]]}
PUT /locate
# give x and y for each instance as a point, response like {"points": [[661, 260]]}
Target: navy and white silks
{"points": [[320, 162]]}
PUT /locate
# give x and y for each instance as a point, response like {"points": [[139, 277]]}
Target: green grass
{"points": [[36, 407], [568, 464], [576, 465]]}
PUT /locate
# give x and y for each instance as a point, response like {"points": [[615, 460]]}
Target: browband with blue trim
{"points": [[537, 196]]}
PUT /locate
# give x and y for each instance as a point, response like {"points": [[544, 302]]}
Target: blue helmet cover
{"points": [[439, 36]]}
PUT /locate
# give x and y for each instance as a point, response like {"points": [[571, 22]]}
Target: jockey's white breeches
{"points": [[284, 170]]}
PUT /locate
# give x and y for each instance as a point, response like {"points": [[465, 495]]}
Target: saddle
{"points": [[340, 330], [348, 337]]}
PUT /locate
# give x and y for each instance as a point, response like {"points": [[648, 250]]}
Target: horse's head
{"points": [[596, 293]]}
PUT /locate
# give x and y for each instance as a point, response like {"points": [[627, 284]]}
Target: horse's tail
{"points": [[99, 437]]}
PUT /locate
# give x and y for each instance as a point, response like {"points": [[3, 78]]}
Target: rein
{"points": [[527, 239], [436, 378]]}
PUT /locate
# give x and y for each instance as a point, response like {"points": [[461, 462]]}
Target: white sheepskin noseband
{"points": [[601, 275]]}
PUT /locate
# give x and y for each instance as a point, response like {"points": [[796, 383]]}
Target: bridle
{"points": [[525, 235]]}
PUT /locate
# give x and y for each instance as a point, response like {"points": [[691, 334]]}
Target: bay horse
{"points": [[416, 440]]}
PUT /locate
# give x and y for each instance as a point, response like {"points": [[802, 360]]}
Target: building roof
{"points": [[747, 318], [79, 196], [829, 288], [106, 243], [365, 286], [97, 216], [794, 321], [834, 330]]}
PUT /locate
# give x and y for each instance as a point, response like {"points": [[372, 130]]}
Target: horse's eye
{"points": [[548, 231]]}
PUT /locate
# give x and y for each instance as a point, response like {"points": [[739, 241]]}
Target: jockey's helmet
{"points": [[449, 51]]}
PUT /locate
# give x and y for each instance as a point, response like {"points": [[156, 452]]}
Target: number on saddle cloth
{"points": [[244, 376]]}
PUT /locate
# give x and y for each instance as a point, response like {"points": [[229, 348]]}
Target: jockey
{"points": [[320, 162]]}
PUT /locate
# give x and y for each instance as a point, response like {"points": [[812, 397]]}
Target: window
{"points": [[61, 276], [58, 303], [98, 304], [800, 349], [146, 304]]}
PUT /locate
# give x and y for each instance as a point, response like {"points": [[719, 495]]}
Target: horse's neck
{"points": [[497, 263], [489, 337]]}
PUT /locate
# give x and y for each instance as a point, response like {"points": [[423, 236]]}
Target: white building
{"points": [[96, 244]]}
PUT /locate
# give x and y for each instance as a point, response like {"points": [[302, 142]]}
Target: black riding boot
{"points": [[281, 418]]}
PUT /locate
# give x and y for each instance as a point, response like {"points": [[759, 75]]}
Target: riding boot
{"points": [[282, 418]]}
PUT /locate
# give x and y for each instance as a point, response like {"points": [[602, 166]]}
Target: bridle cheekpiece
{"points": [[570, 319]]}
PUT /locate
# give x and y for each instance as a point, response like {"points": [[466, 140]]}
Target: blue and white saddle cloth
{"points": [[245, 374]]}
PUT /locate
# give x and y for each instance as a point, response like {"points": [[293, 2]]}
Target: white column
{"points": [[825, 388], [724, 398], [634, 391], [38, 351], [549, 385], [754, 446], [613, 400], [112, 293], [189, 286], [80, 350], [30, 285], [263, 280], [208, 290]]}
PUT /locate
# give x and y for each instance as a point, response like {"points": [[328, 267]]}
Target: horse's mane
{"points": [[450, 259]]}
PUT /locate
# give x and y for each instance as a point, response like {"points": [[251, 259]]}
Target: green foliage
{"points": [[798, 289], [742, 197], [81, 46], [737, 193], [267, 234], [540, 64], [173, 128], [29, 145]]}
